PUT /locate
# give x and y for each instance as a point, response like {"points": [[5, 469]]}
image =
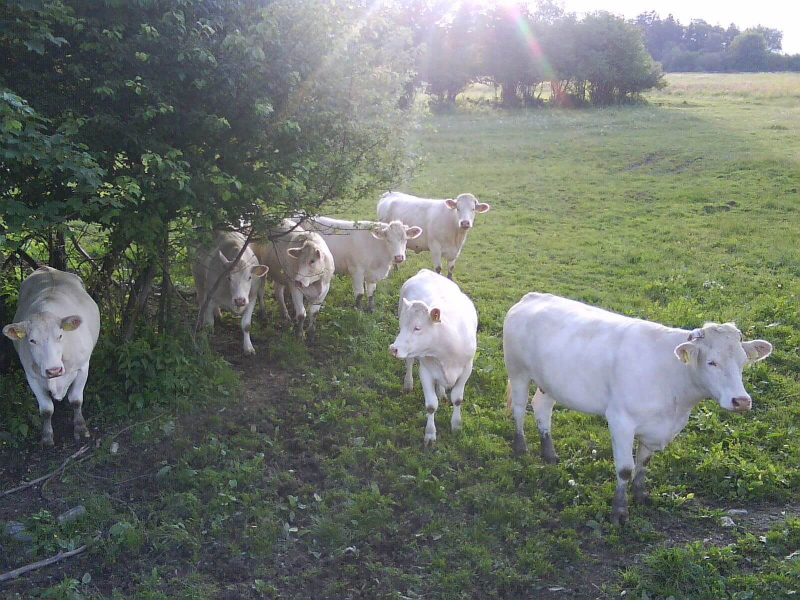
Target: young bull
{"points": [[643, 377], [55, 330], [300, 261], [238, 291], [438, 328], [444, 223], [365, 250]]}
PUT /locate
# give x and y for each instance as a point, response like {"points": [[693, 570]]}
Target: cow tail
{"points": [[508, 398]]}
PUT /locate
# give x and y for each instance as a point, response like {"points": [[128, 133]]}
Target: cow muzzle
{"points": [[466, 225], [54, 372], [240, 302], [741, 403], [399, 259], [394, 351]]}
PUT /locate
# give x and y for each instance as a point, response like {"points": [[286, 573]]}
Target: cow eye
{"points": [[33, 341], [417, 328], [711, 363], [311, 262], [249, 278], [60, 336]]}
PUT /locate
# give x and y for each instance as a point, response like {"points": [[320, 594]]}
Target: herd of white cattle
{"points": [[644, 378]]}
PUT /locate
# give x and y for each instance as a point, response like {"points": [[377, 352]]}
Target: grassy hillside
{"points": [[311, 480]]}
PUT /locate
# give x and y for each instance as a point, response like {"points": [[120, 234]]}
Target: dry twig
{"points": [[41, 563], [25, 486]]}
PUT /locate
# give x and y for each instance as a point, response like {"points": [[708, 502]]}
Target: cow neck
{"points": [[447, 352], [685, 387]]}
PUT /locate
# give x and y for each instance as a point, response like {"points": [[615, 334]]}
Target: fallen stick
{"points": [[124, 429], [42, 563], [25, 486]]}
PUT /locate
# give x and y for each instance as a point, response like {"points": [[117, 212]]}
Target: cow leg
{"points": [[208, 315], [451, 264], [457, 397], [441, 392], [520, 387], [313, 311], [299, 311], [643, 455], [76, 401], [247, 319], [358, 286], [371, 295], [279, 295], [408, 382], [431, 403], [622, 446], [543, 409], [45, 410], [436, 257]]}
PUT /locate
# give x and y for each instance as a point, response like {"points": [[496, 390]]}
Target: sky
{"points": [[780, 14]]}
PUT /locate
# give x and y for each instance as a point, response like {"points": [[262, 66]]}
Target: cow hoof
{"points": [[619, 516], [250, 352], [48, 442], [370, 308], [430, 439], [408, 388], [520, 447], [82, 433], [640, 496], [455, 427]]}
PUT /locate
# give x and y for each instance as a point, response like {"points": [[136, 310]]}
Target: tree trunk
{"points": [[137, 300], [164, 301], [58, 251]]}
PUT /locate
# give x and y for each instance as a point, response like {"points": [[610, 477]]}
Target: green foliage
{"points": [[749, 51]]}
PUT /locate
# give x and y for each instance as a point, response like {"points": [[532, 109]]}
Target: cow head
{"points": [[240, 279], [310, 262], [44, 335], [396, 236], [419, 329], [466, 205], [716, 355]]}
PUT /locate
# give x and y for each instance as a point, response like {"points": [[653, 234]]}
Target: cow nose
{"points": [[399, 258], [54, 372], [240, 301], [465, 224], [741, 403], [393, 351]]}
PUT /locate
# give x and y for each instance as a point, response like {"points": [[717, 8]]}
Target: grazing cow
{"points": [[645, 378], [444, 223], [438, 328], [238, 291], [54, 332], [300, 261], [365, 250]]}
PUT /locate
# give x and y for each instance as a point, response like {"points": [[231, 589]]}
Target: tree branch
{"points": [[42, 563]]}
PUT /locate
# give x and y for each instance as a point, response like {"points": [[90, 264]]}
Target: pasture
{"points": [[304, 475]]}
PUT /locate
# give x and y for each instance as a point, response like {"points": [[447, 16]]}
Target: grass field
{"points": [[309, 478]]}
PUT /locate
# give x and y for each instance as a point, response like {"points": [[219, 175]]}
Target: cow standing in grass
{"points": [[364, 250], [55, 330], [438, 328], [301, 262], [645, 378], [238, 290], [444, 223]]}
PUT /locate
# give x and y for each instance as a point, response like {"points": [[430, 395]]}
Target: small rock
{"points": [[17, 532], [72, 514], [727, 522], [113, 448], [737, 511], [253, 428]]}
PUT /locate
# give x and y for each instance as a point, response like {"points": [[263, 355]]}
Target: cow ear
{"points": [[71, 323], [687, 353], [482, 207], [450, 203], [436, 315], [757, 350], [379, 232], [406, 303], [16, 331], [413, 232], [294, 252], [318, 253], [259, 270]]}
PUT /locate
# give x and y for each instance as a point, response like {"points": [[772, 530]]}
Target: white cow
{"points": [[300, 261], [238, 291], [645, 378], [444, 223], [365, 250], [54, 332], [438, 328]]}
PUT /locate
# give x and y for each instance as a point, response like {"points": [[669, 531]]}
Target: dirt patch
{"points": [[648, 159]]}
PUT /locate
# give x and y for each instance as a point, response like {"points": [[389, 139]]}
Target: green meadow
{"points": [[301, 473]]}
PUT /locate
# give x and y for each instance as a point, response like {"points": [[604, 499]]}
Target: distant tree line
{"points": [[700, 46], [531, 53]]}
